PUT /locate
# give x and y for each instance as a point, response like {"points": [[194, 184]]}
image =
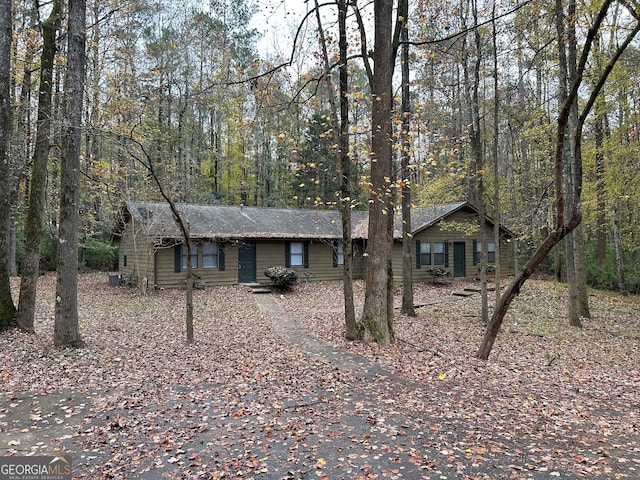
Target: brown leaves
{"points": [[241, 403]]}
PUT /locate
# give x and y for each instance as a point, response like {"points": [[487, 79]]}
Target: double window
{"points": [[477, 253], [206, 255], [428, 253]]}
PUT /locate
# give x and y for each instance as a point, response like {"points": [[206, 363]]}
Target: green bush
{"points": [[98, 255]]}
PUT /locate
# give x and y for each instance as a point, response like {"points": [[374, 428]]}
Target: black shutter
{"points": [[221, 256], [305, 255], [418, 263], [446, 253], [287, 254], [475, 250], [177, 258], [335, 253]]}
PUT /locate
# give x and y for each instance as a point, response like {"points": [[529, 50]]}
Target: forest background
{"points": [[227, 123]]}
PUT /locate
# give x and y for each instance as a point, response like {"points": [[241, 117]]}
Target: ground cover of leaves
{"points": [[137, 402]]}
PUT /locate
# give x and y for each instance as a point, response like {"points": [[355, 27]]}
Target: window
{"points": [[297, 254], [209, 255], [194, 256], [425, 253], [124, 256], [438, 253], [338, 254], [491, 252]]}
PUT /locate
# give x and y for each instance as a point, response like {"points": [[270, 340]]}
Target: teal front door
{"points": [[247, 263], [459, 262]]}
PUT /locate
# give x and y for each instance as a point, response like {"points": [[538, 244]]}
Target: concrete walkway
{"points": [[287, 326]]}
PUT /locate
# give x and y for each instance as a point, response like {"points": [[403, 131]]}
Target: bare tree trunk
{"points": [[622, 285], [341, 136], [67, 330], [601, 204], [405, 182], [561, 228], [494, 154], [472, 82], [7, 308], [351, 328], [37, 194], [375, 315]]}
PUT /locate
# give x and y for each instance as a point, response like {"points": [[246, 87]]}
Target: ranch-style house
{"points": [[235, 244]]}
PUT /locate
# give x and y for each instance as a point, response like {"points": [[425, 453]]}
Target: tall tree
{"points": [[37, 193], [67, 328], [7, 307], [405, 156], [562, 227], [377, 313], [340, 124]]}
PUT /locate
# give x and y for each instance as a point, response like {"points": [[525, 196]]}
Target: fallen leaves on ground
{"points": [[138, 402]]}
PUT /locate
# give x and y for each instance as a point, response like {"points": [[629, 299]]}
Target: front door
{"points": [[459, 263], [247, 263]]}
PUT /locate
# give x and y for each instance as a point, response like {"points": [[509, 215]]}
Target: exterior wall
{"points": [[268, 253], [272, 253], [157, 264], [168, 277], [436, 234], [135, 256]]}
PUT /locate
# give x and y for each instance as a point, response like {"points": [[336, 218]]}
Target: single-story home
{"points": [[235, 244]]}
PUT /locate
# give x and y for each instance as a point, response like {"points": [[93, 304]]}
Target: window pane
{"points": [[210, 255], [425, 253], [438, 253], [296, 254], [194, 256], [491, 252], [340, 253]]}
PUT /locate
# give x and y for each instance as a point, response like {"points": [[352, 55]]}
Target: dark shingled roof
{"points": [[237, 222], [240, 222]]}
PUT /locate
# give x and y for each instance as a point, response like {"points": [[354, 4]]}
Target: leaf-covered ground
{"points": [[242, 402]]}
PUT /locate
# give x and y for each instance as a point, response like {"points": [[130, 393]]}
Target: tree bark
{"points": [[7, 307], [622, 284], [405, 182], [340, 126], [494, 154], [67, 330], [562, 227], [375, 315], [37, 193]]}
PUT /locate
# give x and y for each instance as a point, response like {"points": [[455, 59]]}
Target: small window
{"points": [[297, 254], [491, 252], [210, 255], [338, 254], [194, 256], [425, 253], [438, 253], [124, 256]]}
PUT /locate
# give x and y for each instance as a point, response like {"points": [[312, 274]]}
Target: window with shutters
{"points": [[210, 255]]}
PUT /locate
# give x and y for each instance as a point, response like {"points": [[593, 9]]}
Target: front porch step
{"points": [[478, 288], [463, 293], [260, 290]]}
